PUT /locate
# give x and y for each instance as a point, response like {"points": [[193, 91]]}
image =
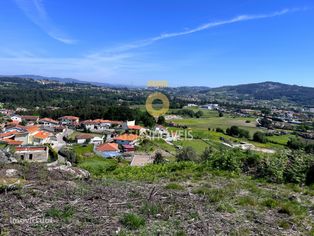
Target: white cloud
{"points": [[209, 25], [36, 12]]}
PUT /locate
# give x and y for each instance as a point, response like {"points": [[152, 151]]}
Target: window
{"points": [[30, 156], [22, 157]]}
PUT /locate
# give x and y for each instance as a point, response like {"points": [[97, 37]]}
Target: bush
{"points": [[69, 155], [230, 160], [132, 221], [260, 137], [158, 159], [235, 131], [53, 155], [187, 154], [272, 167], [295, 143], [220, 130], [207, 154], [297, 168]]}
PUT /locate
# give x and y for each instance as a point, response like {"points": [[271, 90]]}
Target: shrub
{"points": [[230, 160], [220, 130], [207, 154], [63, 214], [272, 167], [69, 155], [260, 137], [158, 158], [151, 208], [235, 131], [187, 154], [295, 143], [297, 168], [132, 221]]}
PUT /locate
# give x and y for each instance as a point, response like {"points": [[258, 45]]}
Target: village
{"points": [[33, 139]]}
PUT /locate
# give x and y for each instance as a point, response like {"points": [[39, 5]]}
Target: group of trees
{"points": [[235, 131], [298, 144], [189, 113], [282, 167], [260, 137]]}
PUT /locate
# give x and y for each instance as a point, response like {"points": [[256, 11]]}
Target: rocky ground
{"points": [[36, 200]]}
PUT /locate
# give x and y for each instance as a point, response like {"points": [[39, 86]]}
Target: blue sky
{"points": [[187, 42]]}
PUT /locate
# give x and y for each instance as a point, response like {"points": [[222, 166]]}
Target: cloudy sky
{"points": [[190, 42]]}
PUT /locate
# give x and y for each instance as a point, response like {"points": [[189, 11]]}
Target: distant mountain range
{"points": [[65, 80], [271, 90], [260, 91]]}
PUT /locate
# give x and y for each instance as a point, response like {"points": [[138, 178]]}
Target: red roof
{"points": [[70, 117], [12, 142], [32, 129], [32, 118], [135, 127], [99, 121], [88, 122], [107, 147], [42, 135], [49, 120], [127, 137], [84, 136], [8, 134], [30, 148]]}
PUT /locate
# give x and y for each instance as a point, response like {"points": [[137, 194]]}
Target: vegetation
{"points": [[260, 137], [132, 221], [235, 131]]}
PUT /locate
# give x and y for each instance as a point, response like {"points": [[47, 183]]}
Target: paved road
{"points": [[61, 143]]}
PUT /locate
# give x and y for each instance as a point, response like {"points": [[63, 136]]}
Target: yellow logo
{"points": [[149, 104]]}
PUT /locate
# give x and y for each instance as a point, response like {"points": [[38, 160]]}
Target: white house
{"points": [[48, 122], [97, 140], [210, 106], [16, 118]]}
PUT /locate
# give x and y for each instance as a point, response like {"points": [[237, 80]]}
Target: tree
{"points": [[147, 120], [199, 114], [295, 143], [235, 131], [266, 111], [220, 130], [161, 120], [158, 158], [260, 137], [265, 122], [207, 154], [221, 114], [309, 148], [187, 154]]}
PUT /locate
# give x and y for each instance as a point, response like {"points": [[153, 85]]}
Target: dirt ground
{"points": [[56, 204]]}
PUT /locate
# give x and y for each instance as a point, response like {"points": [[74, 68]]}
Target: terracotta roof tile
{"points": [[127, 137], [108, 147]]}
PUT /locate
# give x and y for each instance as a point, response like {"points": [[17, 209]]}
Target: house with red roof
{"points": [[41, 137], [131, 126], [108, 150], [69, 120], [126, 139], [48, 122], [31, 119]]}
